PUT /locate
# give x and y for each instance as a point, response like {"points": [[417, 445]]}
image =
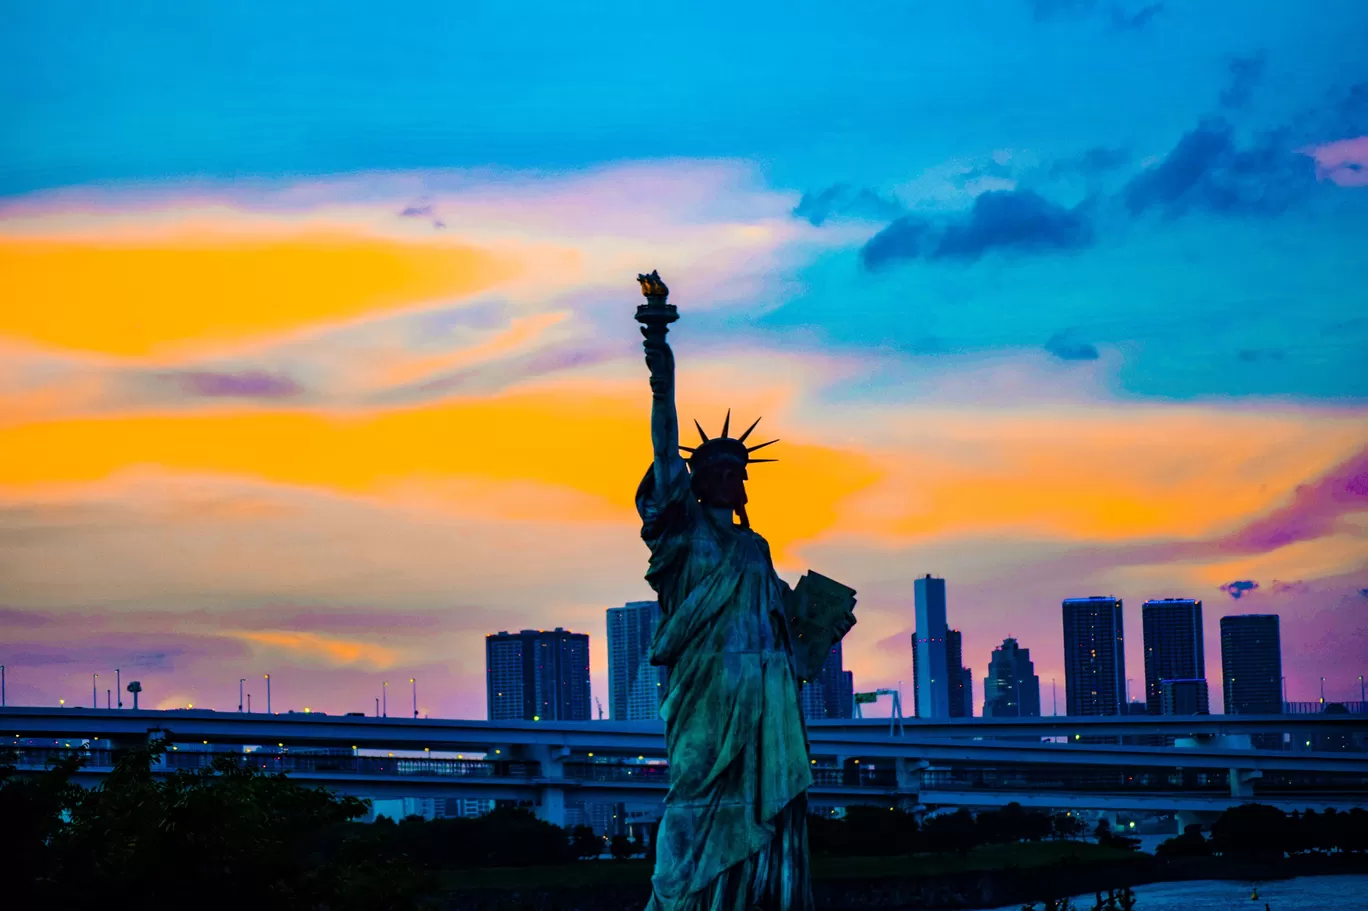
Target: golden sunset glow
{"points": [[133, 299]]}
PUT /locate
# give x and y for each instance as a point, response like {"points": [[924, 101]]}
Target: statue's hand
{"points": [[660, 360]]}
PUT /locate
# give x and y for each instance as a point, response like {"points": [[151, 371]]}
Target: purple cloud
{"points": [[1238, 588], [1314, 512], [248, 384]]}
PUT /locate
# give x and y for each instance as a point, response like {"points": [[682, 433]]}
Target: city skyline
{"points": [[325, 367]]}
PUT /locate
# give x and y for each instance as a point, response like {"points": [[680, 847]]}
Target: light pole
{"points": [[118, 685], [2, 686], [384, 699], [1322, 691], [1361, 699], [241, 682], [377, 706], [249, 703], [1054, 697], [268, 693], [414, 681], [1284, 688], [109, 700], [94, 692]]}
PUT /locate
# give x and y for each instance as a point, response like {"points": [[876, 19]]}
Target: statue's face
{"points": [[723, 484]]}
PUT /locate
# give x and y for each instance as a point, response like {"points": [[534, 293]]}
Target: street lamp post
{"points": [[1361, 699], [414, 681], [1322, 691], [118, 685], [377, 706], [241, 682], [268, 694], [94, 692], [2, 686], [384, 699]]}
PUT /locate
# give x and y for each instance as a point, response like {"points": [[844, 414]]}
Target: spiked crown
{"points": [[714, 449]]}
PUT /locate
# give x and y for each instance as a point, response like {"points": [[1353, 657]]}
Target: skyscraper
{"points": [[1011, 689], [1094, 656], [1251, 664], [1173, 647], [1183, 697], [831, 694], [932, 687], [635, 686], [537, 675], [961, 681]]}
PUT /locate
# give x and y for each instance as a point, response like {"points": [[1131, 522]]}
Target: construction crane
{"points": [[600, 707]]}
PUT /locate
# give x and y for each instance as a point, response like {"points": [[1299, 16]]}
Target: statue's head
{"points": [[717, 467]]}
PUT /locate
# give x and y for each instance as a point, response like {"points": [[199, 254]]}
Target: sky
{"points": [[317, 355]]}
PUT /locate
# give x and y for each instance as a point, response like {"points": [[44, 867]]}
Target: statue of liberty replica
{"points": [[739, 643]]}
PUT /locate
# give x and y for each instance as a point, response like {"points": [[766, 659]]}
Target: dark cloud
{"points": [[248, 384], [1207, 171], [1062, 346], [1238, 588], [905, 238], [989, 170], [1093, 163], [1242, 77], [842, 199], [1007, 220], [416, 211], [1282, 588], [1014, 220], [1363, 592], [1133, 22]]}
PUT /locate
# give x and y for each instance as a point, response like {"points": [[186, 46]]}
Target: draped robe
{"points": [[734, 830]]}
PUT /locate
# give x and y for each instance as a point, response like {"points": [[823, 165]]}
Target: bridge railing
{"points": [[40, 758], [1086, 779]]}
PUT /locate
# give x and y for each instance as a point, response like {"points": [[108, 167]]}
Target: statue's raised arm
{"points": [[655, 316]]}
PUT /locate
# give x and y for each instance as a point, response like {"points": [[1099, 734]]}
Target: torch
{"points": [[657, 313]]}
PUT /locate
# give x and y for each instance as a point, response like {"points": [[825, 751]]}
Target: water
{"points": [[1305, 893]]}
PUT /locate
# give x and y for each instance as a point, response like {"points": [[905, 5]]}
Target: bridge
{"points": [[962, 762]]}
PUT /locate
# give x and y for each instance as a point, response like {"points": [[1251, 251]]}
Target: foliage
{"points": [[505, 837], [226, 835], [951, 832], [1105, 836], [1012, 823], [1263, 832], [584, 842], [1190, 844], [622, 847], [1067, 825]]}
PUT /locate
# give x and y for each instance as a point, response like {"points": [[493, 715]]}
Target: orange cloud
{"points": [[595, 443], [325, 648], [164, 295], [1084, 474]]}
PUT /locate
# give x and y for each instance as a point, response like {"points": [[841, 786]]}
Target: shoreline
{"points": [[969, 890]]}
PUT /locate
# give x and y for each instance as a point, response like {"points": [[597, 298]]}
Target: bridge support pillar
{"points": [[551, 789], [909, 776]]}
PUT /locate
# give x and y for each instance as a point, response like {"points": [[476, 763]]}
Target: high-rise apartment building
{"points": [[961, 681], [1251, 664], [537, 675], [1094, 656], [1183, 697], [1173, 647], [635, 686], [831, 694], [931, 692], [1011, 689], [960, 697]]}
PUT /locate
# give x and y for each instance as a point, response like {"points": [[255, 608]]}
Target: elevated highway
{"points": [[941, 764]]}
